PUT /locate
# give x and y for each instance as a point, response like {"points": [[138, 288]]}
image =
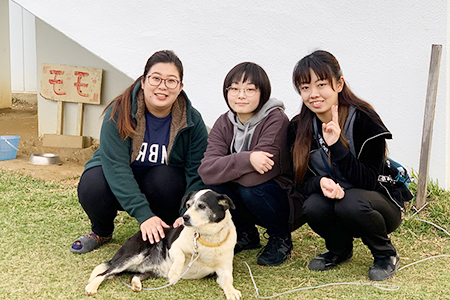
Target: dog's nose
{"points": [[186, 219]]}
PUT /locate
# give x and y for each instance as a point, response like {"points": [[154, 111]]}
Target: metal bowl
{"points": [[44, 159]]}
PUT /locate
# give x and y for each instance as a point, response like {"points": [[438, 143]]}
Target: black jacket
{"points": [[362, 170]]}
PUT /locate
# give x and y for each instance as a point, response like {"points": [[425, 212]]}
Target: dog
{"points": [[207, 231]]}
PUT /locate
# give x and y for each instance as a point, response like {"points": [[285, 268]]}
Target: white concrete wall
{"points": [[23, 50], [383, 47]]}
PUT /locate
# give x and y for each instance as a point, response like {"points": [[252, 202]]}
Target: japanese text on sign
{"points": [[71, 84]]}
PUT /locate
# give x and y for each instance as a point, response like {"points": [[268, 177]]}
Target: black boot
{"points": [[327, 261], [247, 241], [277, 250], [384, 267]]}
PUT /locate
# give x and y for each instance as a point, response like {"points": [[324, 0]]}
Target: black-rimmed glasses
{"points": [[249, 92], [155, 80]]}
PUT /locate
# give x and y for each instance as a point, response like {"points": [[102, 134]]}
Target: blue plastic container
{"points": [[9, 145]]}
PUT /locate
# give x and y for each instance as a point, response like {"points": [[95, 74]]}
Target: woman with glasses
{"points": [[247, 159], [338, 149], [151, 143]]}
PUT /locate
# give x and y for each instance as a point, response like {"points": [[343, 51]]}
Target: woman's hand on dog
{"points": [[153, 228], [178, 222]]}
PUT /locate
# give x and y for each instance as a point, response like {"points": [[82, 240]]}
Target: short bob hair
{"points": [[252, 73]]}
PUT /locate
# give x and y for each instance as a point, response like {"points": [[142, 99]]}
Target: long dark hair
{"points": [[326, 67], [251, 72], [122, 103]]}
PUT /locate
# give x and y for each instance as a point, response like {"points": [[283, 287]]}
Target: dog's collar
{"points": [[211, 244]]}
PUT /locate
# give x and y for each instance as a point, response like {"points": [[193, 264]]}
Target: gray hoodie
{"points": [[243, 133]]}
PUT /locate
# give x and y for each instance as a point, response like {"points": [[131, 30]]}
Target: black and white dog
{"points": [[208, 231]]}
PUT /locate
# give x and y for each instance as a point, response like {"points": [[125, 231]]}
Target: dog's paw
{"points": [[90, 289], [136, 284], [233, 294], [173, 277], [173, 280]]}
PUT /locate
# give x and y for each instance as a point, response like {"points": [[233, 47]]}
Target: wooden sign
{"points": [[71, 84]]}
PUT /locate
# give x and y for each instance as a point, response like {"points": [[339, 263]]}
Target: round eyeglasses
{"points": [[249, 92], [170, 83]]}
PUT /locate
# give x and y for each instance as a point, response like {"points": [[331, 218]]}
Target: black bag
{"points": [[395, 181]]}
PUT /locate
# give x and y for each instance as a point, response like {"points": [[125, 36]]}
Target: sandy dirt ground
{"points": [[22, 120]]}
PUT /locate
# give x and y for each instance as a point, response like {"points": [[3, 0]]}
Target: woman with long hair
{"points": [[338, 145], [151, 143]]}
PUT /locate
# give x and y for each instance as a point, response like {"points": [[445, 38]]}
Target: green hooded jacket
{"points": [[187, 144]]}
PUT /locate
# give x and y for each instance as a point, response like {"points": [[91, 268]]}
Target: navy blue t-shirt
{"points": [[153, 150]]}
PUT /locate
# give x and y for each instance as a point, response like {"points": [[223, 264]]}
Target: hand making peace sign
{"points": [[331, 130]]}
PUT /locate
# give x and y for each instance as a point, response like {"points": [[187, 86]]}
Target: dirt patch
{"points": [[21, 120]]}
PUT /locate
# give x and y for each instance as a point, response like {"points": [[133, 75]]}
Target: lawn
{"points": [[39, 221]]}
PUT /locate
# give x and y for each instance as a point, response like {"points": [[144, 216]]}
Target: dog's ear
{"points": [[226, 202], [186, 198]]}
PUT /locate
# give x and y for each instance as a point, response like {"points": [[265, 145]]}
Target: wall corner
{"points": [[5, 62]]}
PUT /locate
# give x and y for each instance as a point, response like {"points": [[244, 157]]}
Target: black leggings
{"points": [[361, 213], [163, 187]]}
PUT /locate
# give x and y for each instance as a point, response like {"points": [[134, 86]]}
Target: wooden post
{"points": [[60, 118], [427, 131], [80, 119]]}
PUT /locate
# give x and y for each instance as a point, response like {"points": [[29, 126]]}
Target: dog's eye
{"points": [[188, 205], [202, 206]]}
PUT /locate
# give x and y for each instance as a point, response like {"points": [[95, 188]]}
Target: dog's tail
{"points": [[98, 270]]}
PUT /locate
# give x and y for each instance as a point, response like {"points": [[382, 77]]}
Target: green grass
{"points": [[39, 221]]}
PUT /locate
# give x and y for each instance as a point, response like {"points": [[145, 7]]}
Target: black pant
{"points": [[266, 205], [361, 213], [163, 187]]}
